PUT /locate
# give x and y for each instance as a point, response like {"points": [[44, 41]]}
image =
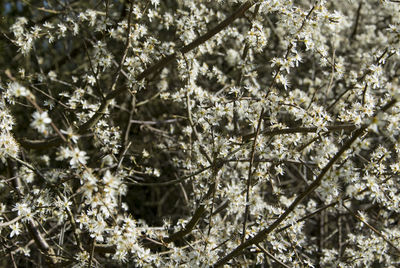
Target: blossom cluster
{"points": [[200, 133]]}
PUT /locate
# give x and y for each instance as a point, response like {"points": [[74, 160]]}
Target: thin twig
{"points": [[294, 130], [271, 256], [7, 223], [171, 182], [168, 121], [253, 150], [372, 228], [353, 34], [95, 74], [129, 124], [91, 253], [200, 211]]}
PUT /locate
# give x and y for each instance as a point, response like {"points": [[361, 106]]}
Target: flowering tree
{"points": [[200, 133]]}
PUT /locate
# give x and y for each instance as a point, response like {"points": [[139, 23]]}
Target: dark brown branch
{"points": [[200, 211], [353, 34]]}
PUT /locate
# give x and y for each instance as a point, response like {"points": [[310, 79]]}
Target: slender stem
{"points": [[91, 254], [372, 228], [253, 150], [4, 224], [271, 256], [200, 211], [293, 130]]}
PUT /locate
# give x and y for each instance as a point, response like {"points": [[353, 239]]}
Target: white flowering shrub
{"points": [[200, 133]]}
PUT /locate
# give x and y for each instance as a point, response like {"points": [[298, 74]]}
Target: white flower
{"points": [[145, 154], [24, 250], [8, 146], [78, 157], [70, 134], [120, 255], [232, 57], [22, 209], [63, 203], [63, 153], [17, 90], [82, 258], [15, 229], [40, 121], [155, 3], [6, 120], [91, 80], [62, 29], [279, 170]]}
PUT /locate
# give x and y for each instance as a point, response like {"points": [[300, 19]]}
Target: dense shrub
{"points": [[199, 133]]}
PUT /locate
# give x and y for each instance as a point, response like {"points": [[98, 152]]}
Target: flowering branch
{"points": [[311, 188], [50, 142]]}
